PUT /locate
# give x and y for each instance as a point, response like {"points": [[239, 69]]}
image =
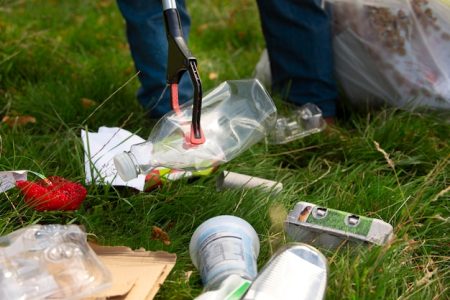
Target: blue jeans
{"points": [[148, 44], [298, 40]]}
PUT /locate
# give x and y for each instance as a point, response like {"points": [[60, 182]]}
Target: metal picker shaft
{"points": [[180, 60]]}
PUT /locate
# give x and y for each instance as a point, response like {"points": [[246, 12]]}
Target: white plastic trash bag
{"points": [[393, 51]]}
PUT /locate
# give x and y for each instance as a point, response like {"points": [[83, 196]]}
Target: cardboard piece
{"points": [[136, 274]]}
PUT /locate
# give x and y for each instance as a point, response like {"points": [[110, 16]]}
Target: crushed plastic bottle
{"points": [[235, 115]]}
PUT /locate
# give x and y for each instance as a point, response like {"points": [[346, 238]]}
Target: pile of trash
{"points": [[57, 261]]}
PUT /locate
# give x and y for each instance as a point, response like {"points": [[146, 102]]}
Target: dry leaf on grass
{"points": [[88, 103], [187, 276], [213, 75], [202, 27], [159, 234], [18, 120]]}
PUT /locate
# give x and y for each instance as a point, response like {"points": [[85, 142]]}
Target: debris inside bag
{"points": [[394, 52]]}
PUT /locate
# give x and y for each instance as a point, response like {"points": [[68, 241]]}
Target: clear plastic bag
{"points": [[393, 51], [49, 262], [235, 115]]}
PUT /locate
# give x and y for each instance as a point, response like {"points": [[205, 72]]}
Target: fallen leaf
{"points": [[104, 3], [161, 235], [88, 103], [202, 27], [213, 76], [429, 270], [18, 120], [242, 34], [187, 276]]}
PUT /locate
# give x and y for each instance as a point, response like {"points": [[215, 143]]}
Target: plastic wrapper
{"points": [[394, 52], [235, 115], [49, 262]]}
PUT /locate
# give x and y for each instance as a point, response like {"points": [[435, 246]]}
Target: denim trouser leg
{"points": [[298, 40], [148, 43]]}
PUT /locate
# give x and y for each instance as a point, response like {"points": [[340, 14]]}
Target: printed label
{"points": [[222, 249], [341, 221]]}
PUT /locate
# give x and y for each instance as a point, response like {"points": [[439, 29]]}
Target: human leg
{"points": [[298, 41], [148, 44]]}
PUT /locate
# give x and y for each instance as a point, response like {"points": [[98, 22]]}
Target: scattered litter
{"points": [[231, 180], [49, 262], [329, 228], [101, 147]]}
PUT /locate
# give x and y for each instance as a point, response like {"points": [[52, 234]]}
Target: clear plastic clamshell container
{"points": [[304, 121], [49, 262]]}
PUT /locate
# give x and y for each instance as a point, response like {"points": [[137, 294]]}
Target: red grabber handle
{"points": [[180, 60]]}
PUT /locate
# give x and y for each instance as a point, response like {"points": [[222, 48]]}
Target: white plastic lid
{"points": [[125, 166]]}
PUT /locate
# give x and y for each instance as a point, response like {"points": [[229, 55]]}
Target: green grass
{"points": [[54, 53]]}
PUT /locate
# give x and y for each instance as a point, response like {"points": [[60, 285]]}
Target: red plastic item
{"points": [[52, 193]]}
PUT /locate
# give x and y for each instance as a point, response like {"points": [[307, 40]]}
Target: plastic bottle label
{"points": [[224, 252], [222, 249]]}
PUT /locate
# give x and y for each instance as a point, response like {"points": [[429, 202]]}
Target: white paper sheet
{"points": [[99, 150]]}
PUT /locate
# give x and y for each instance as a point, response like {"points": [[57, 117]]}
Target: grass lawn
{"points": [[54, 54]]}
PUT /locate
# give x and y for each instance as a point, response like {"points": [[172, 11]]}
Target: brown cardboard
{"points": [[136, 274]]}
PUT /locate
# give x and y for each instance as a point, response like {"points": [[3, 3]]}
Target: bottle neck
{"points": [[142, 157]]}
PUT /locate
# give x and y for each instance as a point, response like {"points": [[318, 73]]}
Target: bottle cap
{"points": [[125, 166]]}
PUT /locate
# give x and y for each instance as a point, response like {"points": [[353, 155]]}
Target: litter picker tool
{"points": [[180, 60]]}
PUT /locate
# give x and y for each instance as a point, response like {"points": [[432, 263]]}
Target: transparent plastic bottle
{"points": [[235, 115]]}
